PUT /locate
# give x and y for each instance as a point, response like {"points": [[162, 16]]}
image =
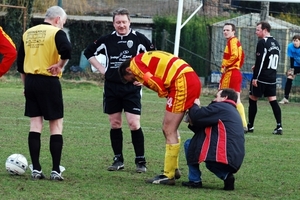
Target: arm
{"points": [[90, 52], [20, 58], [258, 61], [93, 61], [231, 54], [157, 85], [145, 41], [64, 50], [292, 60], [144, 76], [20, 62], [8, 50], [292, 53], [204, 116]]}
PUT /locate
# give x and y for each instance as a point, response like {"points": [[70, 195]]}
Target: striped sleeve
{"points": [[8, 51]]}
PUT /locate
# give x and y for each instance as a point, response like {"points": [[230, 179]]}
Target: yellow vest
{"points": [[40, 49]]}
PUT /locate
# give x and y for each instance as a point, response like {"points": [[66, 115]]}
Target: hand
{"points": [[222, 70], [252, 68], [187, 118], [137, 83], [254, 82], [54, 69], [197, 101]]}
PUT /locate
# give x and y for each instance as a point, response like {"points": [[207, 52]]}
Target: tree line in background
{"points": [[195, 36]]}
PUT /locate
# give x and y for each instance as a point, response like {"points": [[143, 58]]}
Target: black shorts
{"points": [[43, 96], [262, 89], [118, 97]]}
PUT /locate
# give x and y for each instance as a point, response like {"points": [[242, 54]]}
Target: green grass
{"points": [[270, 169]]}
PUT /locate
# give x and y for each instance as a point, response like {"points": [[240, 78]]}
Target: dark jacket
{"points": [[219, 135]]}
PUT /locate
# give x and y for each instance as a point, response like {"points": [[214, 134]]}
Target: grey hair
{"points": [[55, 11], [121, 11]]}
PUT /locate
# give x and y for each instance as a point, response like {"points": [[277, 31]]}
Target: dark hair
{"points": [[265, 25], [122, 70], [230, 24], [121, 11], [296, 37], [230, 94]]}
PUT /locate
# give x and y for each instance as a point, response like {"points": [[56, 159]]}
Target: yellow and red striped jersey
{"points": [[233, 57], [8, 50], [158, 69]]}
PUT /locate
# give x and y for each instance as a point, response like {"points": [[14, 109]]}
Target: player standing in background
{"points": [[233, 60], [43, 52], [293, 51], [263, 82], [120, 45], [7, 51], [174, 79]]}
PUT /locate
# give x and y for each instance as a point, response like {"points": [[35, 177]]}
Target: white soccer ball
{"points": [[16, 164]]}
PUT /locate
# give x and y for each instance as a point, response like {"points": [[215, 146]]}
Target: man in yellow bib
{"points": [[43, 52]]}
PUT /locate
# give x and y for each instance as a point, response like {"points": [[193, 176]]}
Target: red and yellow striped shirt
{"points": [[233, 57], [8, 51], [158, 69]]}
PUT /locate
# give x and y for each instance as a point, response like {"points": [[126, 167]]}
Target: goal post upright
{"points": [[179, 26]]}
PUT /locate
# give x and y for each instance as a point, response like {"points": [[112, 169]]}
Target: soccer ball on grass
{"points": [[16, 164]]}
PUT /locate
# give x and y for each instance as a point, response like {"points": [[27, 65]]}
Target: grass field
{"points": [[270, 169]]}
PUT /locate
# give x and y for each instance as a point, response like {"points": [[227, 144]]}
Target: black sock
{"points": [[137, 138], [34, 144], [116, 139], [56, 145], [276, 111], [287, 88], [252, 110]]}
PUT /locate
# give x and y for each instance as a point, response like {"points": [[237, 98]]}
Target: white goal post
{"points": [[179, 26]]}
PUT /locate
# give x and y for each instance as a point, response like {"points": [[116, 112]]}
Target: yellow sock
{"points": [[241, 110], [177, 163], [171, 156]]}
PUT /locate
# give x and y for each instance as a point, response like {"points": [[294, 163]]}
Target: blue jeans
{"points": [[219, 169]]}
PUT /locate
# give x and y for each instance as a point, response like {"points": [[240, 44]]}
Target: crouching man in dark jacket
{"points": [[218, 140]]}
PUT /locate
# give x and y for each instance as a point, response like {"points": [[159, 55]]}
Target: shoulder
{"points": [[1, 31], [110, 35], [60, 34], [291, 47], [234, 39], [261, 42], [138, 34], [106, 38], [225, 105], [272, 39], [274, 43]]}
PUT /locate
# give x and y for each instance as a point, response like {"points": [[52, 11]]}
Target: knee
{"points": [[290, 74], [134, 126], [115, 123]]}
